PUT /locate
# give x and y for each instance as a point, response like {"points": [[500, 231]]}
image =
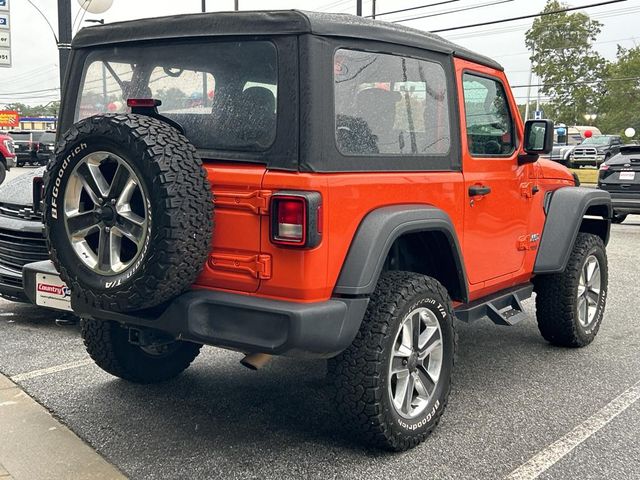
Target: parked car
{"points": [[33, 147], [7, 156], [595, 150], [342, 196], [620, 176], [566, 139], [21, 232]]}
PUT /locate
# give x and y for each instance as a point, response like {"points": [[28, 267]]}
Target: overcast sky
{"points": [[35, 56]]}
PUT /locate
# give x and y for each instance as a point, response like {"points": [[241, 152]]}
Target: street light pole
{"points": [[64, 37], [373, 9], [236, 5], [359, 8]]}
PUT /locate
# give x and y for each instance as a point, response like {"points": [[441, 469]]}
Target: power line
{"points": [[586, 82], [5, 94], [525, 25], [413, 8], [524, 17], [456, 10]]}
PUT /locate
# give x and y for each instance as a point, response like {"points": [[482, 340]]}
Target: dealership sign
{"points": [[5, 34], [9, 119]]}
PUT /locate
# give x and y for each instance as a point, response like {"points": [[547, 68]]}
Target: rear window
{"points": [[224, 94]]}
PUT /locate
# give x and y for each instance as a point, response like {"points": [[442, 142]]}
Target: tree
{"points": [[620, 105], [50, 109], [563, 57]]}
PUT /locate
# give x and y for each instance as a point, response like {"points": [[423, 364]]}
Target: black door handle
{"points": [[475, 190]]}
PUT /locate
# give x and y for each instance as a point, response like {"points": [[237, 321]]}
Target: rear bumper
{"points": [[239, 322], [625, 203]]}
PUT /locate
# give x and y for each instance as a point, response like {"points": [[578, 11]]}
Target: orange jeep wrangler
{"points": [[310, 185]]}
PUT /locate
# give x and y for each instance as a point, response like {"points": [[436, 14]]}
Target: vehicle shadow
{"points": [[290, 402]]}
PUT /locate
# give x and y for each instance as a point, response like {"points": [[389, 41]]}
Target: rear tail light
{"points": [[604, 167], [143, 103], [295, 219], [38, 194]]}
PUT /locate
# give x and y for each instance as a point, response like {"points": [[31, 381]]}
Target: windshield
{"points": [[223, 94], [25, 136], [597, 140]]}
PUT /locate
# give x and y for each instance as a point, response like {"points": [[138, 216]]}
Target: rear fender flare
{"points": [[377, 233]]}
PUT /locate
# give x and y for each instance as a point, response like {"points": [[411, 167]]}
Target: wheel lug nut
{"points": [[113, 202], [107, 229], [405, 362]]}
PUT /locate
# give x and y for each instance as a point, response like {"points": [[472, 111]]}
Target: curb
{"points": [[36, 445]]}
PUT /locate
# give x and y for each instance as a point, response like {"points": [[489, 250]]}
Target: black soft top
{"points": [[277, 22]]}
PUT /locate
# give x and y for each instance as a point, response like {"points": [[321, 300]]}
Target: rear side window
{"points": [[222, 93], [490, 128], [390, 105]]}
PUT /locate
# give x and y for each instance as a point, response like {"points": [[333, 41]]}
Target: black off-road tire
{"points": [[557, 297], [618, 218], [362, 371], [108, 345], [180, 211]]}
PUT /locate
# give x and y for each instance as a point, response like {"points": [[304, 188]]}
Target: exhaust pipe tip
{"points": [[255, 361]]}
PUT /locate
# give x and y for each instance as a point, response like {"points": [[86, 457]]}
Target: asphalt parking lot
{"points": [[513, 397]]}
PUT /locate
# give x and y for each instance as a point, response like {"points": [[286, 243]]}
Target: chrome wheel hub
{"points": [[416, 362], [589, 291], [105, 213]]}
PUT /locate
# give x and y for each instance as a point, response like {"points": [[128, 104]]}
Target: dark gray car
{"points": [[21, 233], [620, 176]]}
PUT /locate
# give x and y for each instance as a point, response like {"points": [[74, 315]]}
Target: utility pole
{"points": [[359, 8], [236, 5], [64, 37], [204, 6], [373, 9]]}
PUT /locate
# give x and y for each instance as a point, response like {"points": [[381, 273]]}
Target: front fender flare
{"points": [[565, 214], [377, 233]]}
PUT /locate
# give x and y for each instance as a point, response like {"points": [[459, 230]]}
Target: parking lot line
{"points": [[47, 371], [552, 454]]}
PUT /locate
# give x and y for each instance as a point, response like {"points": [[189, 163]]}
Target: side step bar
{"points": [[502, 308]]}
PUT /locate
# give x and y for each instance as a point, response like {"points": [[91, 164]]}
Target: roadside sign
{"points": [[5, 57], [5, 35], [537, 115], [9, 118]]}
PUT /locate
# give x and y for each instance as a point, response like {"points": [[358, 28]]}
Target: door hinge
{"points": [[256, 201], [528, 189], [528, 242], [256, 266]]}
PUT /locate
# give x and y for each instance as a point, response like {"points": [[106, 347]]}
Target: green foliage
{"points": [[50, 109], [564, 59], [620, 105]]}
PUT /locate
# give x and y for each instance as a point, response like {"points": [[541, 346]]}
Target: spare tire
{"points": [[128, 212]]}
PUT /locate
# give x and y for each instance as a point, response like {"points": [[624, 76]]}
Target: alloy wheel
{"points": [[106, 213], [416, 362]]}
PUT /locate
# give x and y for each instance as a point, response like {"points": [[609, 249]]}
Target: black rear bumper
{"points": [[626, 202], [239, 322]]}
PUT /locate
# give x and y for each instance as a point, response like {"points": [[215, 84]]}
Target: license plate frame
{"points": [[52, 292], [626, 175]]}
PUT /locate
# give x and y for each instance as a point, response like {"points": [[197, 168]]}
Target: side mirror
{"points": [[538, 136], [538, 139]]}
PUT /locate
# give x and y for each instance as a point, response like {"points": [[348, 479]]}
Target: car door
{"points": [[498, 188]]}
